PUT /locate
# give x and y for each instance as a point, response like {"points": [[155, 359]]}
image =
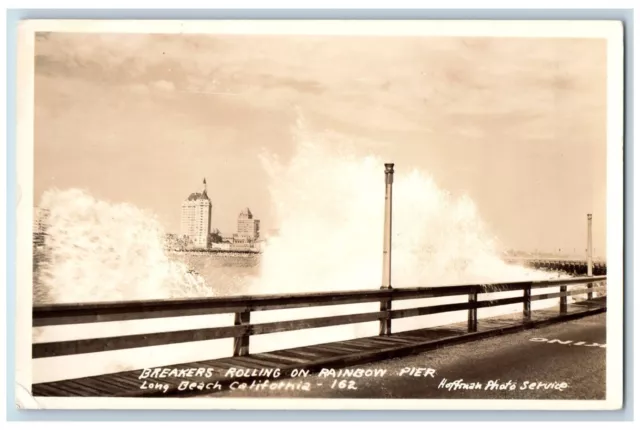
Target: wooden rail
{"points": [[242, 306]]}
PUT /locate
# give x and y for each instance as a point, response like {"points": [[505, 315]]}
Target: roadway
{"points": [[569, 357]]}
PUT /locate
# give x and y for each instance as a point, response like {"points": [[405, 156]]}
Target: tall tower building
{"points": [[196, 218], [248, 227]]}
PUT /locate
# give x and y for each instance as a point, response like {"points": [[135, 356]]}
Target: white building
{"points": [[196, 218]]}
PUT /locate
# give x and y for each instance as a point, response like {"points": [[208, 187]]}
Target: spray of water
{"points": [[329, 206], [97, 251], [329, 203], [330, 209]]}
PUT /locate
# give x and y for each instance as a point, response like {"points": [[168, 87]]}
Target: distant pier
{"points": [[571, 267]]}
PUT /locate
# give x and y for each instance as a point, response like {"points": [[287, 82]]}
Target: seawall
{"points": [[198, 259]]}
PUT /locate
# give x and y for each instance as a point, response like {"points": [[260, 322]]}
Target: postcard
{"points": [[320, 215]]}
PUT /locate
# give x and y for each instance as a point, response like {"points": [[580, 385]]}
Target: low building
{"points": [[221, 246], [242, 246]]}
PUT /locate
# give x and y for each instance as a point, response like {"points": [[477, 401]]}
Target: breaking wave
{"points": [[329, 207], [97, 251]]}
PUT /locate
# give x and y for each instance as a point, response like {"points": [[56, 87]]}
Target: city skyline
{"points": [[524, 136], [196, 226]]}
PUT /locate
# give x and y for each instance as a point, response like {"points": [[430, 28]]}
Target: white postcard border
{"points": [[609, 30]]}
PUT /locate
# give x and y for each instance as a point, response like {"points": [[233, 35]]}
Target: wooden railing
{"points": [[242, 306]]}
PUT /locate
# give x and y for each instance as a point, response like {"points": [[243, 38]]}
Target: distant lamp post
{"points": [[589, 257], [589, 247]]}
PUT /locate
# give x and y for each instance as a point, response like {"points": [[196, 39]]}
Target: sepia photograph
{"points": [[320, 214]]}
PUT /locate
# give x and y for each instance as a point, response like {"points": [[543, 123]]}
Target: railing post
{"points": [[563, 299], [241, 343], [526, 310], [472, 319], [385, 322], [385, 305]]}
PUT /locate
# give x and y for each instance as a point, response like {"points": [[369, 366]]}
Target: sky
{"points": [[519, 125]]}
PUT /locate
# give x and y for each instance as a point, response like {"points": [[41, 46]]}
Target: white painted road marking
{"points": [[567, 342]]}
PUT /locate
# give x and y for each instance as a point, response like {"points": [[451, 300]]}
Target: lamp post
{"points": [[385, 305]]}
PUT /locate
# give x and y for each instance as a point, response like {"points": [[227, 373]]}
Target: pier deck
{"points": [[313, 358]]}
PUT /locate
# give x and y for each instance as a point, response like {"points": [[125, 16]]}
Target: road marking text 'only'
{"points": [[567, 342]]}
